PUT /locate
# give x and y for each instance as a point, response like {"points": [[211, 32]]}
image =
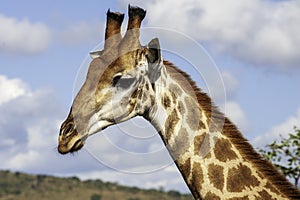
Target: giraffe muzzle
{"points": [[69, 140], [69, 145]]}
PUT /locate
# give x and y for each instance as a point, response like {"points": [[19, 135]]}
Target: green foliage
{"points": [[40, 178], [174, 193], [19, 186], [285, 155], [96, 197]]}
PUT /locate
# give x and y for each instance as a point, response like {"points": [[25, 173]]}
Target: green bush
{"points": [[174, 193], [96, 197]]}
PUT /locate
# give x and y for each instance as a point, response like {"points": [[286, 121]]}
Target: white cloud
{"points": [[24, 159], [22, 36], [282, 129], [237, 116], [11, 89], [28, 125], [258, 32]]}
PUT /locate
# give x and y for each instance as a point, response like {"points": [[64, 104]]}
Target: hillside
{"points": [[17, 186]]}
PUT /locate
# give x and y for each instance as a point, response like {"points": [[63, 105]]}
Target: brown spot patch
{"points": [[271, 188], [185, 168], [216, 176], [147, 87], [223, 150], [170, 124], [166, 102], [198, 141], [140, 94], [197, 177], [264, 195], [240, 178], [134, 94], [181, 143], [210, 195], [193, 114], [201, 125]]}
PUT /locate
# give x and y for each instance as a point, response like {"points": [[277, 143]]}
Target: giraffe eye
{"points": [[116, 80], [122, 82]]}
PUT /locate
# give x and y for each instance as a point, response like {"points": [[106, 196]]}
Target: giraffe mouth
{"points": [[77, 145], [73, 145]]}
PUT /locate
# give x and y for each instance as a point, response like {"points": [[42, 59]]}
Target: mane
{"points": [[234, 135]]}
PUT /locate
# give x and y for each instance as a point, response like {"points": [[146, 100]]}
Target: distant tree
{"points": [[96, 197], [40, 178], [285, 155], [161, 188], [74, 178], [17, 174], [174, 193]]}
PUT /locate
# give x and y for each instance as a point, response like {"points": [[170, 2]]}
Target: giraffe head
{"points": [[118, 85]]}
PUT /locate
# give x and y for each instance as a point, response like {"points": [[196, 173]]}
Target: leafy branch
{"points": [[285, 155]]}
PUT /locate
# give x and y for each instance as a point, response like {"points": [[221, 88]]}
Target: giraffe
{"points": [[126, 80]]}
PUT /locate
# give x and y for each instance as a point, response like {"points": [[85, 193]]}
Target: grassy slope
{"points": [[15, 186]]}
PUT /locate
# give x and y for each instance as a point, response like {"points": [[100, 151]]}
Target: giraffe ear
{"points": [[154, 54], [154, 59], [95, 54]]}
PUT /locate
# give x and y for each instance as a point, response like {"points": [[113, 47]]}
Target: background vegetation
{"points": [[285, 155], [17, 186]]}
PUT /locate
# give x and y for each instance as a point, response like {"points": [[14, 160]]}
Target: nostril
{"points": [[69, 128]]}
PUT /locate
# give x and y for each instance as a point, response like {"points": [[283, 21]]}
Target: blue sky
{"points": [[254, 44]]}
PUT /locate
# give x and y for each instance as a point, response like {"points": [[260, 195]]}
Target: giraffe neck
{"points": [[207, 152]]}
